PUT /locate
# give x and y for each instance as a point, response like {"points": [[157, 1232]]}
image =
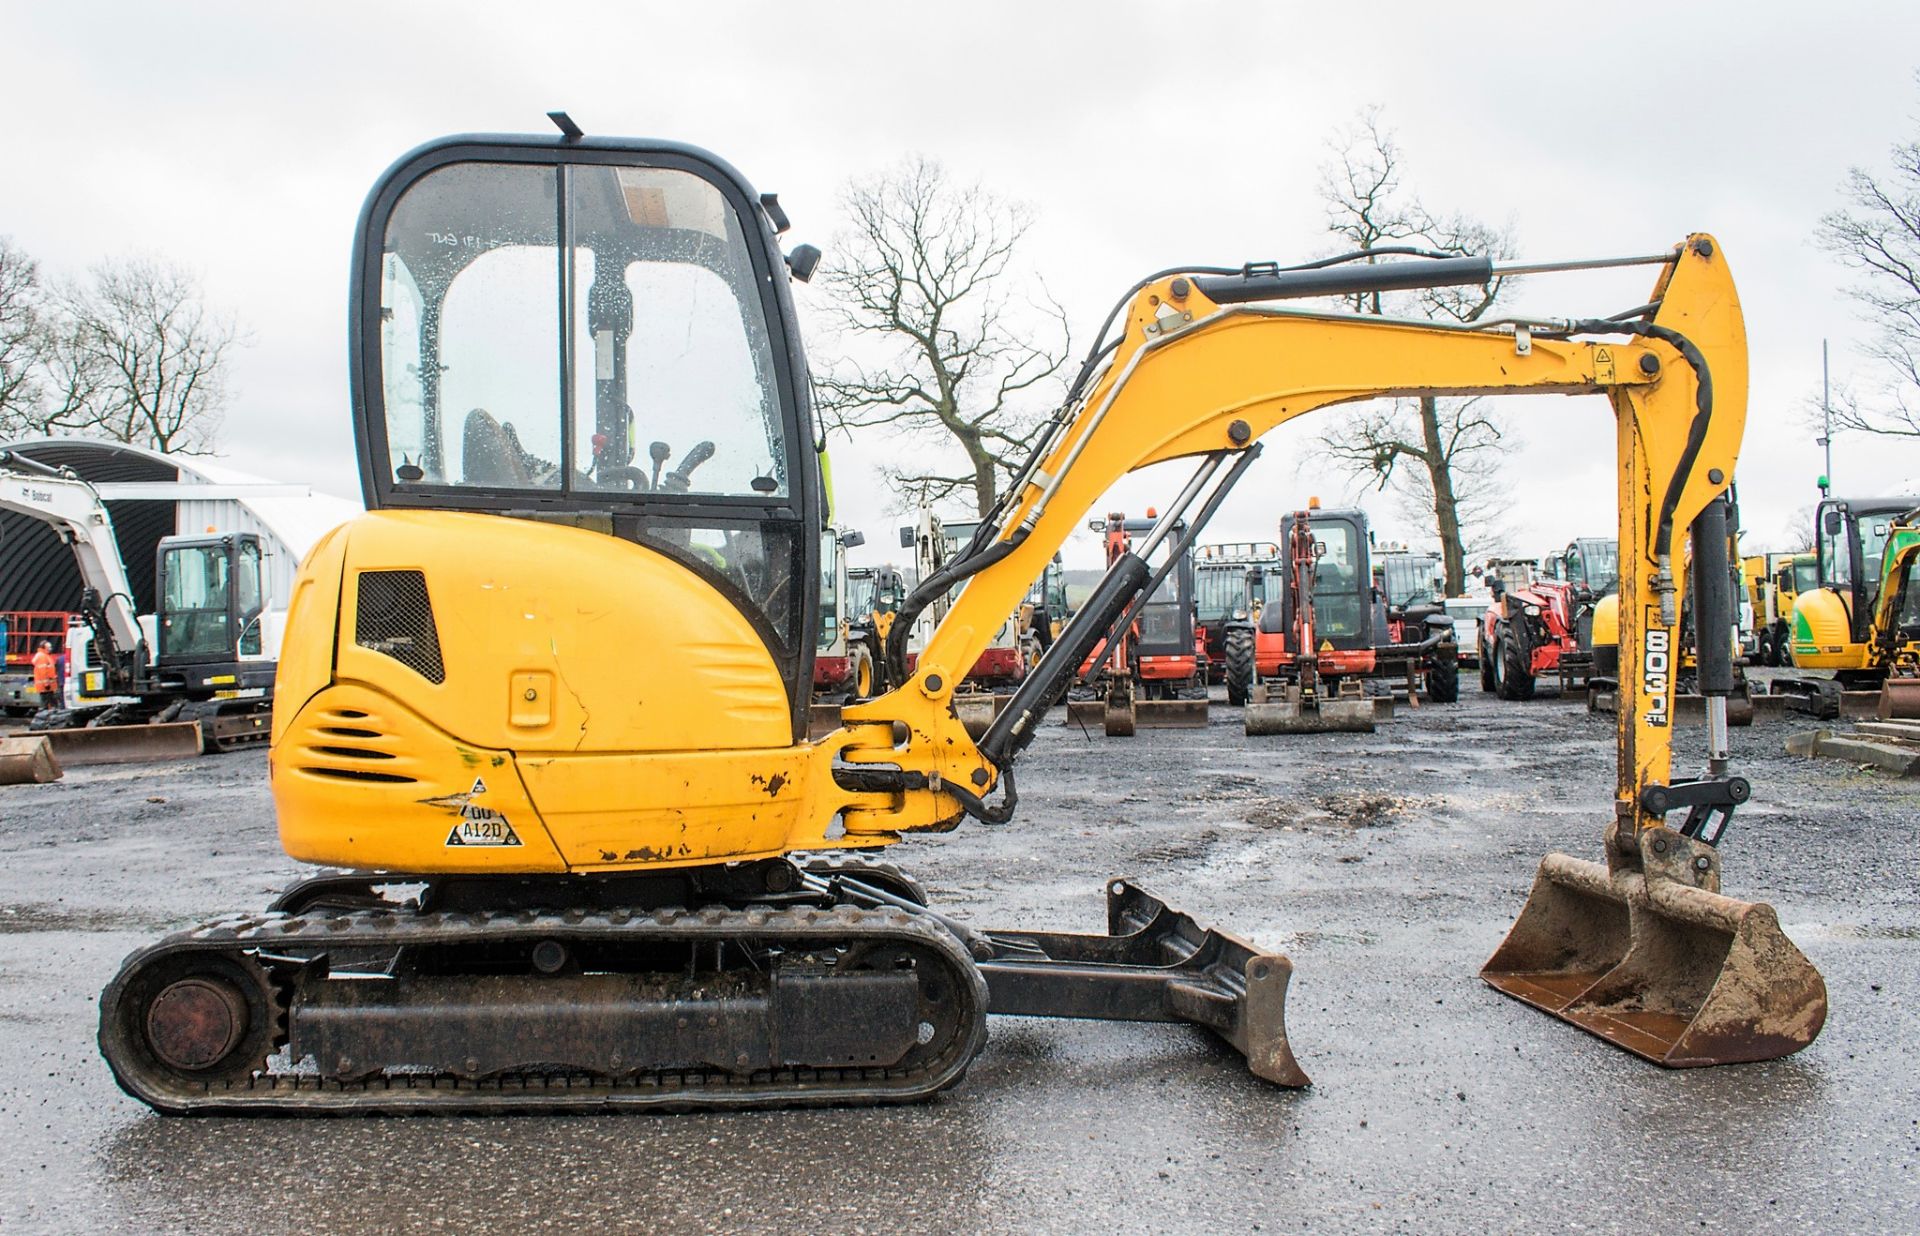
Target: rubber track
{"points": [[275, 936]]}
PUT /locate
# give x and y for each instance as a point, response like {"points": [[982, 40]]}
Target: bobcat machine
{"points": [[1151, 670], [874, 596], [1043, 613], [197, 675], [1330, 629], [548, 719]]}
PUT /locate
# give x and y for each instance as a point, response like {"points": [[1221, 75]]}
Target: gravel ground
{"points": [[1387, 866]]}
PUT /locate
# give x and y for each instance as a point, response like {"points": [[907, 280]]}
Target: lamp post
{"points": [[1826, 424]]}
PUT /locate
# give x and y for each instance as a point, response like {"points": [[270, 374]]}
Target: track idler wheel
{"points": [[1658, 962], [204, 1020]]}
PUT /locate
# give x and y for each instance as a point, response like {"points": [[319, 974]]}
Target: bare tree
{"points": [[140, 357], [19, 338], [1450, 447], [1878, 235], [956, 366], [47, 384]]}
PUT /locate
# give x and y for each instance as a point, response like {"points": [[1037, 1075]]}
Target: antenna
{"points": [[568, 129]]}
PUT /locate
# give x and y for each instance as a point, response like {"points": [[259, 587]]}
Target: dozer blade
{"points": [[1154, 964], [1899, 699], [125, 744], [1291, 717], [1659, 962], [1170, 714]]}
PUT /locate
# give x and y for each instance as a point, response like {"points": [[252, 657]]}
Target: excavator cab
{"points": [[597, 338], [1592, 563], [1833, 622], [210, 604], [1342, 592]]}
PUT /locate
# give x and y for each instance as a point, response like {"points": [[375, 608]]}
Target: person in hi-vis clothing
{"points": [[46, 675]]}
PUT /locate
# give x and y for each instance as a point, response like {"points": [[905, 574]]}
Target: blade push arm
{"points": [[1192, 377]]}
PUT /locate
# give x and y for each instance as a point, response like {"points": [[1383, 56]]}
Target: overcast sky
{"points": [[239, 140]]}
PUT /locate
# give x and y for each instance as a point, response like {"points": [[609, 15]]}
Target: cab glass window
{"points": [[193, 618], [829, 594], [246, 597], [576, 328], [1337, 580], [1836, 558]]}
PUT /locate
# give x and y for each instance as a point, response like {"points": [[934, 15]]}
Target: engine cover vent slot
{"points": [[394, 617]]}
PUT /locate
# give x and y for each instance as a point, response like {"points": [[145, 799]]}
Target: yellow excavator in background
{"points": [[1857, 622], [548, 706]]}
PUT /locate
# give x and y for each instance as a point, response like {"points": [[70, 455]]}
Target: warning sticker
{"points": [[1603, 372], [479, 787], [482, 826]]}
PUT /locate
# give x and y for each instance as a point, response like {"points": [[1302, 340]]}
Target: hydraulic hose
{"points": [[1696, 437], [934, 586]]}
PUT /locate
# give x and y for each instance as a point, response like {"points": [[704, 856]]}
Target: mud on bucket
{"points": [[1658, 961]]}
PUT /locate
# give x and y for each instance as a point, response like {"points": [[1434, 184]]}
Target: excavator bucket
{"points": [[1658, 961], [1286, 712], [1154, 964], [1899, 698]]}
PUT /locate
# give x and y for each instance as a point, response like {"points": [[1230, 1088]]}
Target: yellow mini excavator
{"points": [[545, 703]]}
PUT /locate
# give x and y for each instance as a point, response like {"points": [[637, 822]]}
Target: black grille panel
{"points": [[396, 618]]}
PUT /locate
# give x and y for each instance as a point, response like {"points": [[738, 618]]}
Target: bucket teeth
{"points": [[1658, 962]]}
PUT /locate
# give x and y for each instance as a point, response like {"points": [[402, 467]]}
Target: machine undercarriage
{"points": [[823, 980]]}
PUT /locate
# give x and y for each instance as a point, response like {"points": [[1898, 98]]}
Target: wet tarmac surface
{"points": [[1387, 866]]}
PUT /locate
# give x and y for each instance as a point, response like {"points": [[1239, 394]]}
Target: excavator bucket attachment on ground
{"points": [[27, 760], [1658, 961], [1155, 964], [126, 744], [1899, 698]]}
